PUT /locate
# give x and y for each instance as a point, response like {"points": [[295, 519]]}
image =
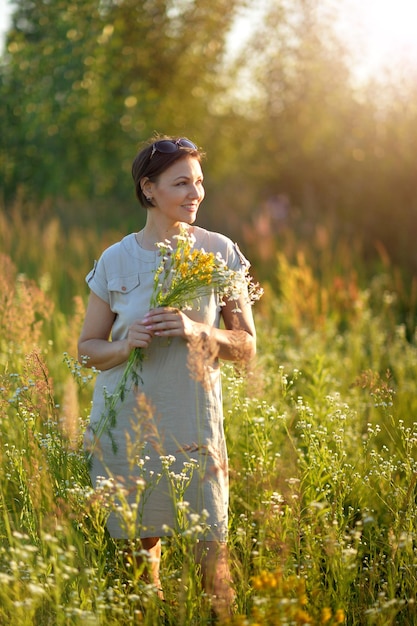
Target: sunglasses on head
{"points": [[167, 146]]}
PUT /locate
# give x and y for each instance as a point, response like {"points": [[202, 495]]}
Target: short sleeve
{"points": [[229, 251], [235, 261], [97, 281], [239, 261]]}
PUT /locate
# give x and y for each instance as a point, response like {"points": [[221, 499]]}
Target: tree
{"points": [[44, 83], [86, 81], [341, 155]]}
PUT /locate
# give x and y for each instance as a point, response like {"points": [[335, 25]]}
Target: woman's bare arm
{"points": [[237, 342], [95, 349]]}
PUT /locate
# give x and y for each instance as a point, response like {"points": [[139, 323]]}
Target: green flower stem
{"points": [[108, 417]]}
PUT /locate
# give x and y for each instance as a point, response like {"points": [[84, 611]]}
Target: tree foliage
{"points": [[322, 147], [292, 140], [85, 81]]}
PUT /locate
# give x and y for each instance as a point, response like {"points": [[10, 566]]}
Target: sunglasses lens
{"points": [[167, 147], [186, 143]]}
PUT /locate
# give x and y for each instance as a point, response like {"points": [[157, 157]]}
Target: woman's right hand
{"points": [[138, 335], [95, 349]]}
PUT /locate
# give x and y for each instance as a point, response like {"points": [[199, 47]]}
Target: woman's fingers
{"points": [[139, 336], [166, 322]]}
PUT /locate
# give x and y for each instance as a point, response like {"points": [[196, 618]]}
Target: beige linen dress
{"points": [[169, 430]]}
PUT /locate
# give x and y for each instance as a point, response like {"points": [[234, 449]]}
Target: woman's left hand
{"points": [[169, 322]]}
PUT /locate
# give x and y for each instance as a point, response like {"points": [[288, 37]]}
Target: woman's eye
{"points": [[181, 183]]}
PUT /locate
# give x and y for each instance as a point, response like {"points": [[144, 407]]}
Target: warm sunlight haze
{"points": [[5, 18], [130, 397], [382, 34]]}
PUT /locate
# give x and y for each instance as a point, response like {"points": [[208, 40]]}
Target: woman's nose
{"points": [[195, 191]]}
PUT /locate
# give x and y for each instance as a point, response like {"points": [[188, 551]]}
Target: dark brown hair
{"points": [[145, 166]]}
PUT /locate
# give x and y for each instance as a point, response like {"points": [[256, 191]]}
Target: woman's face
{"points": [[179, 191]]}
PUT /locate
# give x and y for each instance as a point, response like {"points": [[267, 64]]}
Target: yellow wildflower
{"points": [[339, 616], [302, 617], [326, 615]]}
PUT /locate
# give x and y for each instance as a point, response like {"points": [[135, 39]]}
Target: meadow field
{"points": [[322, 436]]}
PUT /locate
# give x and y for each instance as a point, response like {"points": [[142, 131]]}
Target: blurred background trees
{"points": [[298, 150], [84, 82]]}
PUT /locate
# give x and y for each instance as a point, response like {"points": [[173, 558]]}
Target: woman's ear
{"points": [[146, 186]]}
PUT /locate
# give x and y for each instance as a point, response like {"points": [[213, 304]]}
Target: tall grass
{"points": [[322, 440]]}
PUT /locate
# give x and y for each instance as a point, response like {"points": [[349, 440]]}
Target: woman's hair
{"points": [[151, 163]]}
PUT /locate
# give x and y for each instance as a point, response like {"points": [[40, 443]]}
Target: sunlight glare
{"points": [[384, 32]]}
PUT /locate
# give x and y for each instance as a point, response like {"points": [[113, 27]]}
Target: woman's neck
{"points": [[153, 233]]}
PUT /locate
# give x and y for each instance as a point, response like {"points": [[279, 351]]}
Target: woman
{"points": [[188, 419]]}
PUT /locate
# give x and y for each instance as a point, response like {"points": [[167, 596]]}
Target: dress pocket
{"points": [[122, 290], [124, 284]]}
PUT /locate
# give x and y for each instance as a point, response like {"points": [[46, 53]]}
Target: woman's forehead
{"points": [[188, 167]]}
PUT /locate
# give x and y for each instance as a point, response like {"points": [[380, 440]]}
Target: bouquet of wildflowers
{"points": [[184, 276]]}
